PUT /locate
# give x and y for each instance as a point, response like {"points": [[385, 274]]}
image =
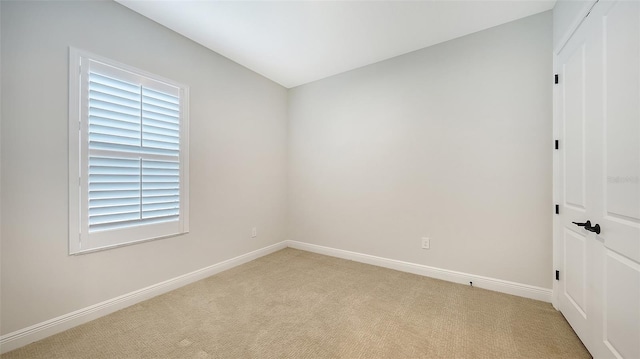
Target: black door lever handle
{"points": [[595, 229], [586, 224]]}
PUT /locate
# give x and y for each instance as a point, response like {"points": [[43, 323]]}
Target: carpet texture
{"points": [[296, 304]]}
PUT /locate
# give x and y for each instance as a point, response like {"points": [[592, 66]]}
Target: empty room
{"points": [[320, 179]]}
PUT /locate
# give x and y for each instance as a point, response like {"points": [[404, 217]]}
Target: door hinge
{"points": [[557, 209], [556, 78], [557, 144], [557, 275]]}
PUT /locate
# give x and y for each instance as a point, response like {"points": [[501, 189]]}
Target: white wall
{"points": [[238, 158], [452, 141]]}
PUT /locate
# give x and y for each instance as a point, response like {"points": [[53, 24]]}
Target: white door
{"points": [[599, 167], [577, 90], [618, 182]]}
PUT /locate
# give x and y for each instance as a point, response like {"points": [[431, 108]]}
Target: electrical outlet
{"points": [[254, 232], [426, 243]]}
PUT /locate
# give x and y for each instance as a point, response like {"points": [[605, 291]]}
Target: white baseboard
{"points": [[53, 326], [498, 285]]}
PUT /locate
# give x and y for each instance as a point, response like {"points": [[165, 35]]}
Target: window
{"points": [[128, 155]]}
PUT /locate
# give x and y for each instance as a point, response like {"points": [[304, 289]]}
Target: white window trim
{"points": [[78, 156]]}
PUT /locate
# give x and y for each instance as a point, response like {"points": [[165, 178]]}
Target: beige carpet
{"points": [[295, 304]]}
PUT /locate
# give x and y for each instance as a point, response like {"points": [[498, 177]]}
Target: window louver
{"points": [[134, 154]]}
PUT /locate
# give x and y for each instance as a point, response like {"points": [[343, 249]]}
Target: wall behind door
{"points": [[452, 141]]}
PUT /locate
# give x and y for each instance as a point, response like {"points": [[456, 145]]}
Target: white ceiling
{"points": [[296, 42]]}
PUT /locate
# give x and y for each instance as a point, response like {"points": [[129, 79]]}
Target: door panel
{"points": [[622, 306], [575, 271], [621, 83], [622, 63], [573, 114]]}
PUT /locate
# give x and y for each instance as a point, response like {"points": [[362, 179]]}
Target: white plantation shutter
{"points": [[132, 156]]}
